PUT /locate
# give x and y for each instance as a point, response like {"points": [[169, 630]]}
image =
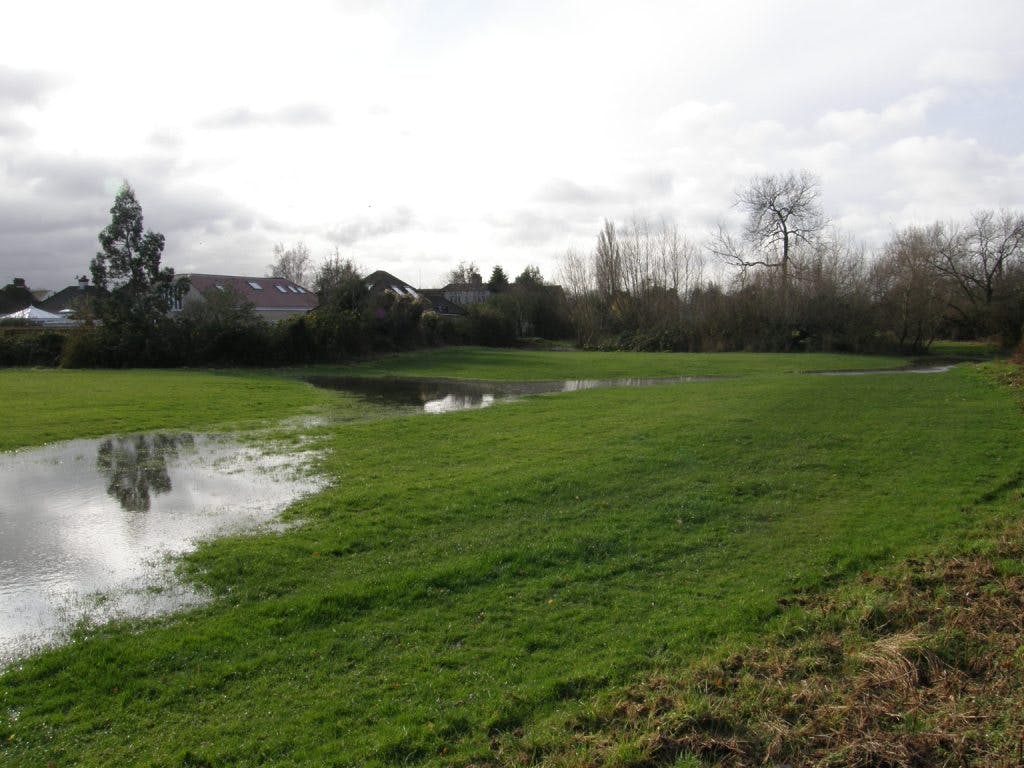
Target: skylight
{"points": [[293, 289], [281, 288], [256, 286]]}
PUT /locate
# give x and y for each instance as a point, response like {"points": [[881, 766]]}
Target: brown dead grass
{"points": [[923, 667]]}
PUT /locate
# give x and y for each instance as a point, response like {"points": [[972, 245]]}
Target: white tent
{"points": [[37, 315]]}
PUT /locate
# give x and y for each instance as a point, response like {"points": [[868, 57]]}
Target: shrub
{"points": [[31, 346]]}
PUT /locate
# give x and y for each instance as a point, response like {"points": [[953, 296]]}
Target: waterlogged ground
{"points": [[473, 588], [86, 526], [437, 395]]}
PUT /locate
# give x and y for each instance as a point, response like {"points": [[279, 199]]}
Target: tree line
{"points": [[129, 322], [793, 282], [796, 282]]}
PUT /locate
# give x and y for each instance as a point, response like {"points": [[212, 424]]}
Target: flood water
{"points": [[910, 369], [447, 395], [86, 526]]}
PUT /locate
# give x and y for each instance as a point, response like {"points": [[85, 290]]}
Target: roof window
{"points": [[281, 288], [256, 286]]}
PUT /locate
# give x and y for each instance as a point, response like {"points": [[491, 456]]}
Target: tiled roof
{"points": [[441, 304], [385, 281], [67, 298], [263, 292]]}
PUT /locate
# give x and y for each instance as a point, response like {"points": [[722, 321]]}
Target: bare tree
{"points": [[585, 308], [979, 257], [910, 294], [680, 262], [574, 273], [292, 263], [782, 213], [464, 273], [608, 261]]}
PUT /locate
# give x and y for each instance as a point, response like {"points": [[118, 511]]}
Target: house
{"points": [[15, 296], [384, 282], [473, 292], [70, 301], [272, 298], [381, 282], [441, 304]]}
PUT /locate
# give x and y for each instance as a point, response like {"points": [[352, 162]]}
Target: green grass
{"points": [[43, 405], [965, 350], [518, 365], [472, 574]]}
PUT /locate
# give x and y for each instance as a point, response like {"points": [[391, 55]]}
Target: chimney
{"points": [[83, 283]]}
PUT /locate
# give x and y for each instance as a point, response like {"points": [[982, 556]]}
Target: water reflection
{"points": [[86, 525], [446, 395], [136, 465]]}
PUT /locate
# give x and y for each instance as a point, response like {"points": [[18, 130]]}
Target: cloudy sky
{"points": [[414, 135]]}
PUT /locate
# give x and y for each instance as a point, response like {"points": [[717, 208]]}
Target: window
{"points": [[281, 288], [219, 287], [255, 286], [293, 289]]}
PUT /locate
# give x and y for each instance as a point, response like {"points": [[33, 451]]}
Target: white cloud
{"points": [[509, 129], [963, 66], [862, 124], [693, 116]]}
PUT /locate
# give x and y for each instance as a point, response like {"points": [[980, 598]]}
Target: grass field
{"points": [[475, 577], [43, 405]]}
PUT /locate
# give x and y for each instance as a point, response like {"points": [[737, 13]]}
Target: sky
{"points": [[411, 136]]}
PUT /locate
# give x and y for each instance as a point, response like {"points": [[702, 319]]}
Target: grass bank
{"points": [[470, 579]]}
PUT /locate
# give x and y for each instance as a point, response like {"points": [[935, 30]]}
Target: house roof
{"points": [[67, 298], [38, 315], [8, 304], [440, 304], [384, 281], [263, 292]]}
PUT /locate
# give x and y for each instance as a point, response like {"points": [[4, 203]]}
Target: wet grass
{"points": [[523, 365], [976, 351], [474, 586], [44, 405]]}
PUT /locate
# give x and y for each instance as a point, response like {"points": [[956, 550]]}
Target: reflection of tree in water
{"points": [[136, 466]]}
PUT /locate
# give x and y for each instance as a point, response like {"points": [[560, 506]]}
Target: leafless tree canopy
{"points": [[783, 213], [798, 282], [910, 295], [464, 273], [293, 263], [980, 256]]}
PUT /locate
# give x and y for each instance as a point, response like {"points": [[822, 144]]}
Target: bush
{"points": [[84, 348], [31, 346], [489, 327]]}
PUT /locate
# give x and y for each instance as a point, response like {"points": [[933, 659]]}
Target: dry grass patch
{"points": [[920, 667]]}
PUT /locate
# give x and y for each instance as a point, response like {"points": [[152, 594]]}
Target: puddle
{"points": [[86, 526], [945, 368], [447, 395]]}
